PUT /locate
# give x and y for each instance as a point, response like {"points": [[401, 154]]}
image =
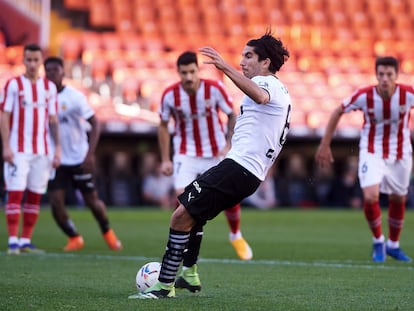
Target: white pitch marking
{"points": [[321, 264]]}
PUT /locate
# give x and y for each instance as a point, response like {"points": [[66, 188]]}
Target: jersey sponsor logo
{"points": [[27, 103]]}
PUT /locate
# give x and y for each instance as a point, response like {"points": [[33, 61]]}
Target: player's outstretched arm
{"points": [[246, 85]]}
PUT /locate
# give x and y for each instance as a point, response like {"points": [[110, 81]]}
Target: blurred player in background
{"points": [[200, 141], [259, 135], [385, 155], [28, 121], [78, 159]]}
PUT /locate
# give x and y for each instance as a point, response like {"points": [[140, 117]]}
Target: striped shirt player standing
{"points": [[385, 152], [259, 135], [200, 140], [28, 122], [78, 160]]}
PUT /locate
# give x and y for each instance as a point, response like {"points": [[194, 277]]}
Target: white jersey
{"points": [[73, 111], [30, 105], [261, 130], [385, 131], [199, 132]]}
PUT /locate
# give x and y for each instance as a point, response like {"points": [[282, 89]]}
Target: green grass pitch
{"points": [[303, 260]]}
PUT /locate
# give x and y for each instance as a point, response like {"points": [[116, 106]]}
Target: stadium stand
{"points": [[127, 48]]}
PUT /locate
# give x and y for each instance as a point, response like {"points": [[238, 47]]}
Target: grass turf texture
{"points": [[303, 260]]}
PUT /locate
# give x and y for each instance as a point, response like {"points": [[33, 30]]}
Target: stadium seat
{"points": [[70, 45], [123, 15], [111, 41], [14, 54], [80, 5], [101, 14], [91, 40]]}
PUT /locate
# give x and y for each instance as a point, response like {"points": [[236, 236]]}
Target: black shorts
{"points": [[72, 175], [219, 188]]}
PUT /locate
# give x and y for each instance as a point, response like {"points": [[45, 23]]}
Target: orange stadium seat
{"points": [[101, 13], [131, 42], [70, 45], [82, 5], [14, 54], [310, 6], [397, 7], [91, 40], [123, 15], [111, 41]]}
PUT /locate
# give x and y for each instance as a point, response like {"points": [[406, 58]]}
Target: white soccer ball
{"points": [[147, 275]]}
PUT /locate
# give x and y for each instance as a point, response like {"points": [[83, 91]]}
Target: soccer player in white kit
{"points": [[385, 152], [28, 122], [200, 141], [259, 134], [78, 160]]}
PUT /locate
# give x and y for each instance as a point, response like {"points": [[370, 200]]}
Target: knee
{"points": [[181, 220]]}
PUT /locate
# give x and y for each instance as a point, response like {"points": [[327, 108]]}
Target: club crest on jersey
{"points": [[403, 109]]}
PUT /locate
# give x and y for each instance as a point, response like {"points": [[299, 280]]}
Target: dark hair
{"points": [[269, 47], [53, 59], [32, 47], [386, 61], [187, 58]]}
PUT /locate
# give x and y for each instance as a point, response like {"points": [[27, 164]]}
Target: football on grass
{"points": [[147, 275]]}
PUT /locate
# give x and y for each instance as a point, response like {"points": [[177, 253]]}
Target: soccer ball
{"points": [[147, 275]]}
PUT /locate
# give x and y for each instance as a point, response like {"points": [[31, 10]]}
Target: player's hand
{"points": [[8, 155], [323, 156], [89, 163], [223, 152], [167, 168], [57, 157], [214, 57]]}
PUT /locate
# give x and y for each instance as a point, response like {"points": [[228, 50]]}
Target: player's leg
{"points": [[396, 211], [98, 209], [179, 235], [372, 212], [240, 245], [189, 278], [204, 199], [15, 176], [397, 182], [56, 191], [85, 183], [31, 209], [371, 171], [37, 179], [186, 169]]}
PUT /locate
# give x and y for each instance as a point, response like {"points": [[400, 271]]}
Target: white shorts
{"points": [[29, 171], [392, 176], [187, 168]]}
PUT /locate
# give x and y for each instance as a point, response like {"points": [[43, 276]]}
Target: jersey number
{"points": [[283, 137]]}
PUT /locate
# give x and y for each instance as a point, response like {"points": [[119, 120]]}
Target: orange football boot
{"points": [[74, 244], [112, 240]]}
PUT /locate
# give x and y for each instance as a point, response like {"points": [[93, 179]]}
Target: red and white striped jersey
{"points": [[199, 131], [30, 105], [385, 131]]}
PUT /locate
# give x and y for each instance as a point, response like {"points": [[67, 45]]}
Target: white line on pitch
{"points": [[322, 264]]}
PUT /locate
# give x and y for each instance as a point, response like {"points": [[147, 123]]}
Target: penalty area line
{"points": [[290, 263]]}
